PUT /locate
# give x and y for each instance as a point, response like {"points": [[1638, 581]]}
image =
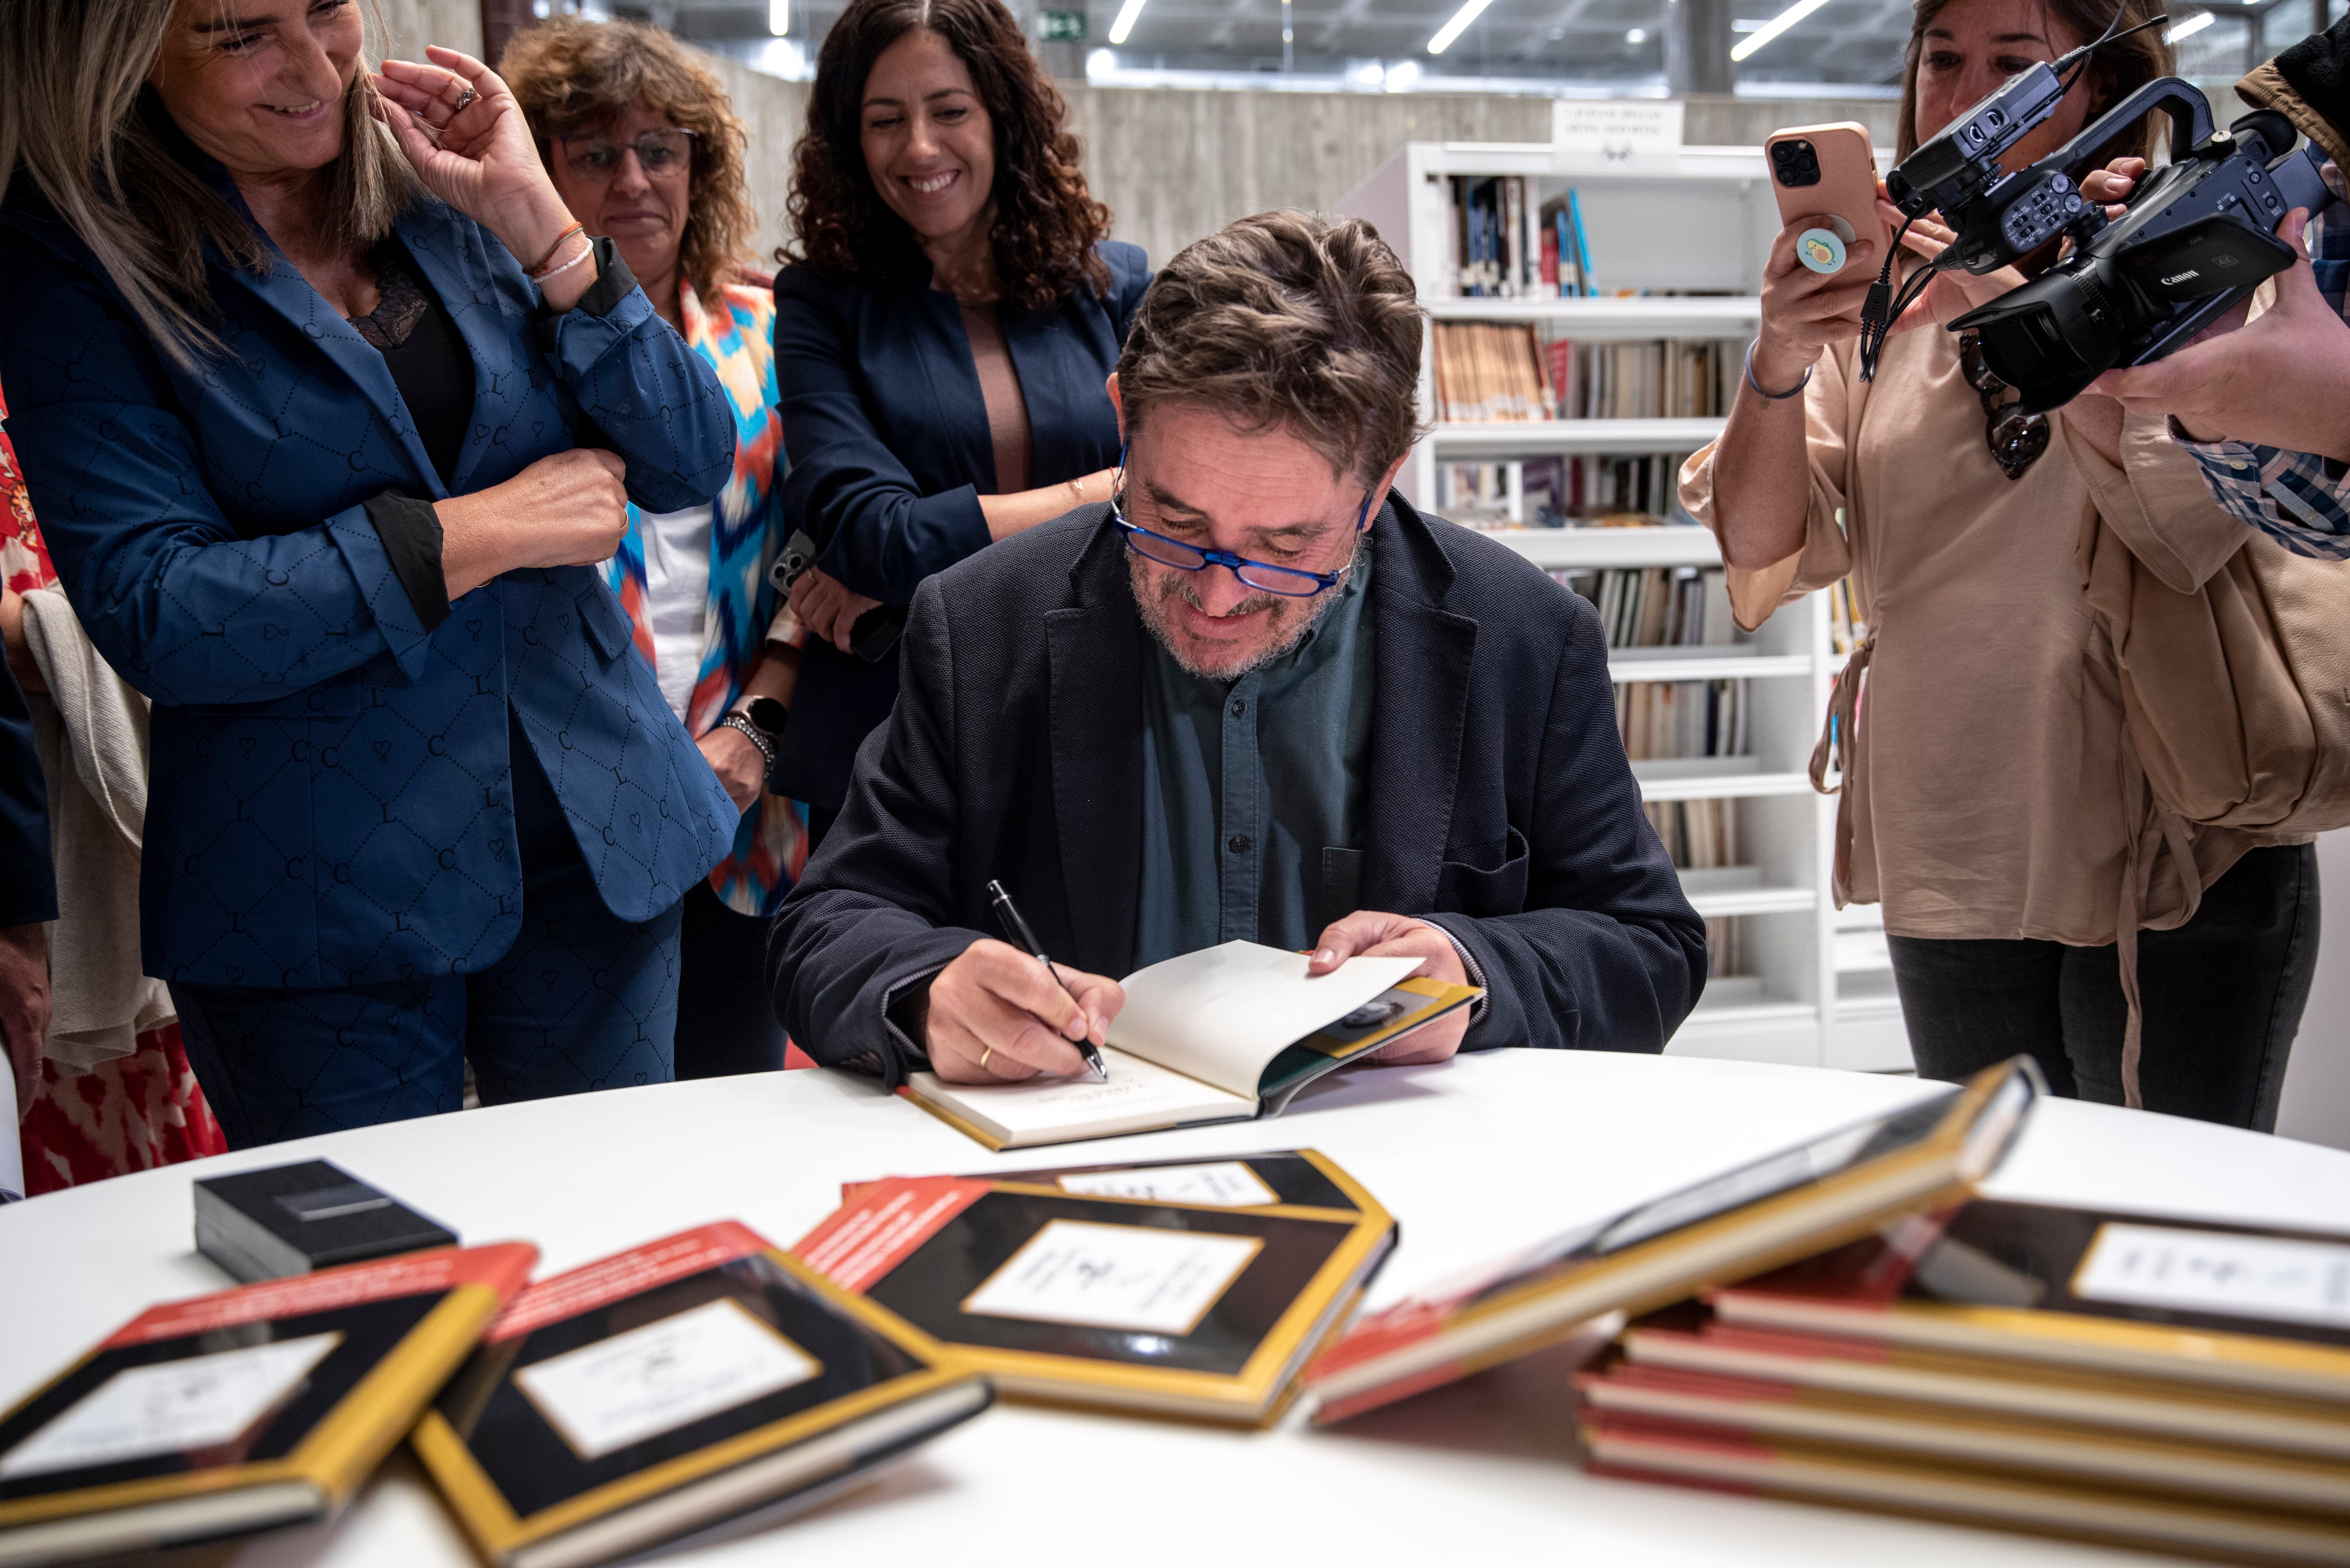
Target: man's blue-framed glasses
{"points": [[1289, 582]]}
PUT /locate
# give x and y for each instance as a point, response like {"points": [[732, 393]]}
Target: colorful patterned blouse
{"points": [[747, 532]]}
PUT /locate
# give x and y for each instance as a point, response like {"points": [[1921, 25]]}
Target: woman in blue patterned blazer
{"points": [[329, 405]]}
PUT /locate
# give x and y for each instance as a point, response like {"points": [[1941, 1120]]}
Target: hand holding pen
{"points": [[1001, 1012]]}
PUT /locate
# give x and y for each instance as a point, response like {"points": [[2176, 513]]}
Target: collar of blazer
{"points": [[1419, 712], [453, 257]]}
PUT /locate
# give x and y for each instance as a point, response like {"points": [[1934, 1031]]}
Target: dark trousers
{"points": [[2222, 998], [726, 1022], [582, 1001]]}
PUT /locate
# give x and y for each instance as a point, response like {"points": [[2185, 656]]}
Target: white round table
{"points": [[1474, 1158]]}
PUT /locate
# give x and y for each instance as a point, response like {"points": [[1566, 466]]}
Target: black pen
{"points": [[1015, 929]]}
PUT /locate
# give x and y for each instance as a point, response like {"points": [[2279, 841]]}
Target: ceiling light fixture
{"points": [[1125, 23], [1635, 35], [2190, 27], [1457, 26], [779, 16], [1774, 27]]}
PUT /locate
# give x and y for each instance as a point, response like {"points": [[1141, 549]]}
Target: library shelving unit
{"points": [[1693, 232]]}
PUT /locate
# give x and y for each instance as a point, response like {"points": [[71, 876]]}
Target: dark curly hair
{"points": [[1046, 223]]}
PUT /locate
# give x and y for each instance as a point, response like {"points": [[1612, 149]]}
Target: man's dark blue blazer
{"points": [[332, 800], [1500, 804]]}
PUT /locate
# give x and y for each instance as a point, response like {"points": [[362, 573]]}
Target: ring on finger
{"points": [[984, 1055], [465, 98]]}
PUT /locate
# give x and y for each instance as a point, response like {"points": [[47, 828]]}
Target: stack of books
{"points": [[2162, 1382], [1502, 245], [1487, 373]]}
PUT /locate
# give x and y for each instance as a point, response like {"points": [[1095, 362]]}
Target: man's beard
{"points": [[1292, 618]]}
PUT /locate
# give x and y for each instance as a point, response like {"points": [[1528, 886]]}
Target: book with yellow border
{"points": [[1785, 1206], [1300, 1178], [244, 1410], [700, 1384], [2254, 1308], [1223, 1034], [1185, 1309], [1936, 1488]]}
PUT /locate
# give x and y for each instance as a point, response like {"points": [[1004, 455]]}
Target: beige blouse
{"points": [[1983, 796]]}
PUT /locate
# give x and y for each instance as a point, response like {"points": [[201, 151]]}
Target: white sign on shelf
{"points": [[1629, 133]]}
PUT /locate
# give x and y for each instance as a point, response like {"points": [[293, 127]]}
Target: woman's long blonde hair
{"points": [[71, 117]]}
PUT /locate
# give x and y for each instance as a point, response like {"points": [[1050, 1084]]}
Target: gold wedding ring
{"points": [[984, 1055]]}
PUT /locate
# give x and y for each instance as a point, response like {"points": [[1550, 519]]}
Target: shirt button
{"points": [[1239, 707], [1238, 842]]}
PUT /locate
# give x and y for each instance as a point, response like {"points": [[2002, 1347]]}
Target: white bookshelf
{"points": [[1821, 993]]}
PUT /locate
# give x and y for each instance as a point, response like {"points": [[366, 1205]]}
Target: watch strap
{"points": [[742, 725]]}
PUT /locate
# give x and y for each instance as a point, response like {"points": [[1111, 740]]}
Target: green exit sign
{"points": [[1064, 26]]}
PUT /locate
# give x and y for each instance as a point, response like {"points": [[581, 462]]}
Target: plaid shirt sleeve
{"points": [[2297, 498]]}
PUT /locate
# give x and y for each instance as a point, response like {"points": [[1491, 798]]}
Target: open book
{"points": [[1219, 1036]]}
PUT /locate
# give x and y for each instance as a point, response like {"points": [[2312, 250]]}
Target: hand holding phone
{"points": [[1824, 177]]}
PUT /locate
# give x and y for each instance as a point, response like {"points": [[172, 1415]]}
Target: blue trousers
{"points": [[582, 1001]]}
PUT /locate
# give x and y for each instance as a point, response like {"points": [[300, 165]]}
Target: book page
{"points": [[1225, 1183], [2275, 1278], [1139, 1097], [1221, 1014], [171, 1408], [669, 1374], [1132, 1277]]}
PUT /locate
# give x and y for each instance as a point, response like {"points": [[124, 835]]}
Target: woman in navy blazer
{"points": [[307, 441], [943, 338]]}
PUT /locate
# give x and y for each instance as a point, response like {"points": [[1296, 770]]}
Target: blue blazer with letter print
{"points": [[332, 799]]}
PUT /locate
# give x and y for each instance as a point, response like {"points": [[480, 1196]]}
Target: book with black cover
{"points": [[298, 1218], [1191, 1309], [701, 1383], [259, 1406], [2259, 1309], [1300, 1178], [1785, 1206]]}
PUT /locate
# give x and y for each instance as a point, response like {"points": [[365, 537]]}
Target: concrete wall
{"points": [[1174, 165], [413, 23]]}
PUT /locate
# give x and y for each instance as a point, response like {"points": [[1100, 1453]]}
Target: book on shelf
{"points": [[1937, 1487], [1659, 719], [1725, 947], [1845, 628], [1561, 491], [1658, 606], [1786, 1206], [1698, 835], [244, 1410], [1502, 245], [700, 1383], [1222, 1035], [1496, 372], [1082, 1296]]}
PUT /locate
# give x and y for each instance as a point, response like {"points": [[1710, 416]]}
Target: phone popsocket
{"points": [[1823, 250]]}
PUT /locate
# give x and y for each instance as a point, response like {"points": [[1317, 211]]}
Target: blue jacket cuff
{"points": [[404, 631]]}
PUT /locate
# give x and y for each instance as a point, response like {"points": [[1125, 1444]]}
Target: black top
{"points": [[28, 885], [429, 363]]}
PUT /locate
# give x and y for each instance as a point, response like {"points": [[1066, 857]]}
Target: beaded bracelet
{"points": [[532, 271], [542, 279]]}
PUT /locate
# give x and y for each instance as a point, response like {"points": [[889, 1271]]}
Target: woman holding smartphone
{"points": [[1983, 802], [944, 334]]}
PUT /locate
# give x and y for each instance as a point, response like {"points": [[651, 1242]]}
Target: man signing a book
{"points": [[1256, 696]]}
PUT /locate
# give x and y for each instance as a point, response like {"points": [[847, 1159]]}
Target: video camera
{"points": [[2198, 235]]}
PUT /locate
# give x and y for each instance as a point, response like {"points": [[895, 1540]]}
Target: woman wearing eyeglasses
{"points": [[953, 311], [644, 147], [1984, 798]]}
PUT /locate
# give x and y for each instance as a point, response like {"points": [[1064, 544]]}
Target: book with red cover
{"points": [[2020, 1390], [1689, 1455], [1085, 1296], [699, 1382], [2254, 1308], [1789, 1205], [250, 1408], [1910, 1431]]}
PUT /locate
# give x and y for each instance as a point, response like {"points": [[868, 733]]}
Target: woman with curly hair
{"points": [[944, 334], [643, 146]]}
